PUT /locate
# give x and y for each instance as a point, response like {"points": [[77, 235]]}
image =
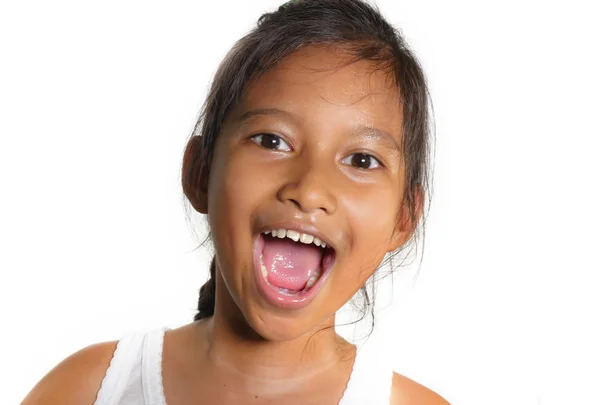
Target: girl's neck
{"points": [[232, 346], [227, 343]]}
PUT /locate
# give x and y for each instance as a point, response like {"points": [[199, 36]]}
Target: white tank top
{"points": [[134, 376]]}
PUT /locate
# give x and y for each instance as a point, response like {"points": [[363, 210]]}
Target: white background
{"points": [[97, 100]]}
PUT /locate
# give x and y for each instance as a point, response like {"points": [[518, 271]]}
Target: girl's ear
{"points": [[406, 225], [194, 176]]}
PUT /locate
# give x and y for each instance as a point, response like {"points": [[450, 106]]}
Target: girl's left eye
{"points": [[362, 161], [271, 141]]}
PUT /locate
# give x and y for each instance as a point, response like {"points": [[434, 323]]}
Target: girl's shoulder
{"points": [[76, 380], [408, 392]]}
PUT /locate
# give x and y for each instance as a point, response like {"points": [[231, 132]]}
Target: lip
{"points": [[302, 228], [272, 294]]}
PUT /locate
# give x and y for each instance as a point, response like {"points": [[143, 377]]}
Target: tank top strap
{"points": [[152, 367], [371, 379], [134, 375]]}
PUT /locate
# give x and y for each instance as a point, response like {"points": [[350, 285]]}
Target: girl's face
{"points": [[314, 148]]}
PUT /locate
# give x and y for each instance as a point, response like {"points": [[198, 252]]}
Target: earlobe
{"points": [[194, 176], [407, 225]]}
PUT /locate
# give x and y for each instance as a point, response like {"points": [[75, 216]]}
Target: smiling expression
{"points": [[315, 147]]}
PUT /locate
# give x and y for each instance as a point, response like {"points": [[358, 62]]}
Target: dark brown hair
{"points": [[355, 27]]}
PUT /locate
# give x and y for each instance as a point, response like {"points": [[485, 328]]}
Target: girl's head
{"points": [[316, 124]]}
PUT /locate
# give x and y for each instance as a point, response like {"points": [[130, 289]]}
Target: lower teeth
{"points": [[313, 279], [285, 291]]}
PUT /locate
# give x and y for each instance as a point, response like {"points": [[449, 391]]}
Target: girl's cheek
{"points": [[244, 180], [373, 211]]}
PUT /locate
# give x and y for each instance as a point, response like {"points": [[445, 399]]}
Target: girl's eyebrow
{"points": [[367, 132], [263, 111]]}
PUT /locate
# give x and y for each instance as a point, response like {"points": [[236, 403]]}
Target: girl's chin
{"points": [[279, 327]]}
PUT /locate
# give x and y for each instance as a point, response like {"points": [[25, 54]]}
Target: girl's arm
{"points": [[76, 380], [408, 392]]}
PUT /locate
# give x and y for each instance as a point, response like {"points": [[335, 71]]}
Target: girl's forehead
{"points": [[322, 79]]}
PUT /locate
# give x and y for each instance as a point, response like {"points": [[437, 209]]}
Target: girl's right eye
{"points": [[271, 141]]}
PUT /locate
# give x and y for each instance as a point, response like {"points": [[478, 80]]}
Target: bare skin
{"points": [[324, 112], [77, 379]]}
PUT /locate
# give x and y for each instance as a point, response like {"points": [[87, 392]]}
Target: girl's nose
{"points": [[309, 190]]}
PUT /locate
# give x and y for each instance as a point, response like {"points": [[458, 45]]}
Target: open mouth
{"points": [[292, 264]]}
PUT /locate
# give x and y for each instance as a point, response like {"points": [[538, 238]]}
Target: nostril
{"points": [[296, 203], [305, 208], [307, 196]]}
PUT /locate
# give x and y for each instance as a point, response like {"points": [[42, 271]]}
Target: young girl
{"points": [[310, 161]]}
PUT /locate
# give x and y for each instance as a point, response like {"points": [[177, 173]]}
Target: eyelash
{"points": [[276, 139]]}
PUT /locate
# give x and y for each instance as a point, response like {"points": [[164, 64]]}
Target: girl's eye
{"points": [[362, 161], [270, 141]]}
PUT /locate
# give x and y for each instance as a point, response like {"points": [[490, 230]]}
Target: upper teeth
{"points": [[296, 236]]}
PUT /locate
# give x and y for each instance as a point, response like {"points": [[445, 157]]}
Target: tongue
{"points": [[290, 264]]}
